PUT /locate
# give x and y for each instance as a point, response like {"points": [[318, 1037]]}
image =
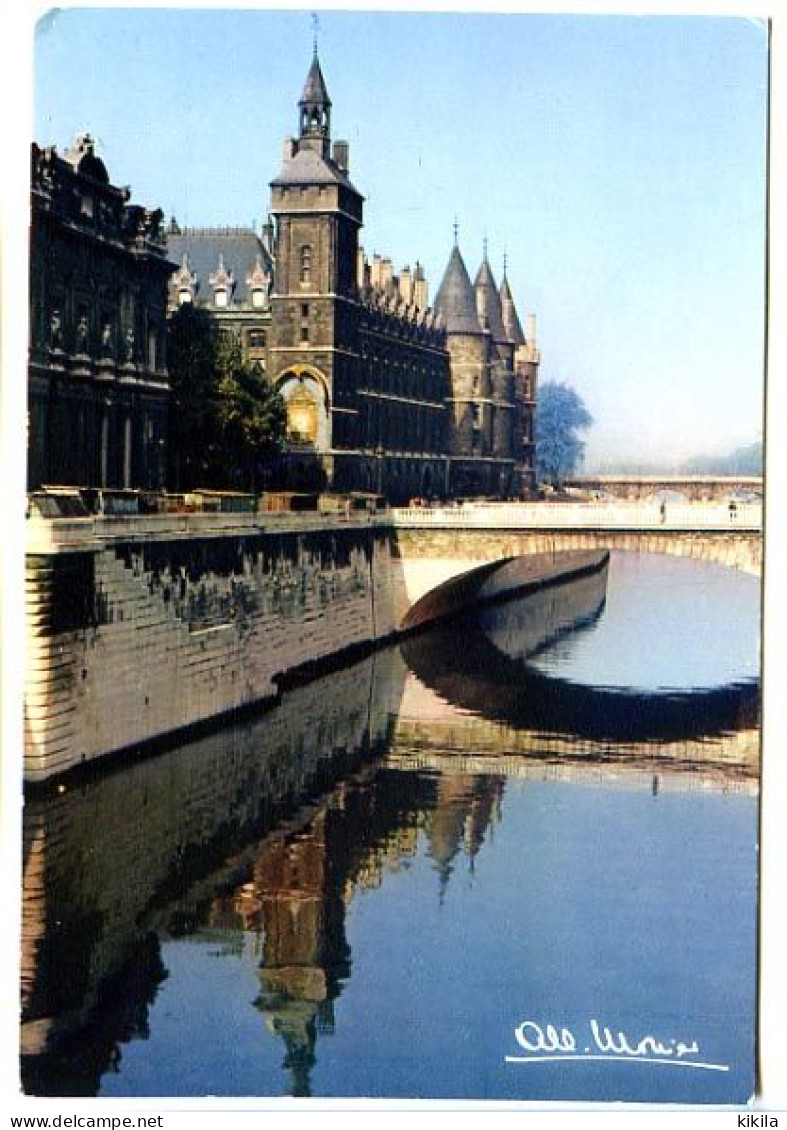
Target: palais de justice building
{"points": [[384, 392], [97, 378]]}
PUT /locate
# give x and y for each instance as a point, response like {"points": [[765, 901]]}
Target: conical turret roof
{"points": [[513, 326], [314, 89], [488, 301], [455, 299]]}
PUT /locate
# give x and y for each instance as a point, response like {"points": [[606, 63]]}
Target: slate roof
{"points": [[308, 167], [455, 299], [314, 89], [513, 326], [240, 249], [485, 285]]}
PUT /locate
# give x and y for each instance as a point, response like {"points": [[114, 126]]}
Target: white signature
{"points": [[601, 1042]]}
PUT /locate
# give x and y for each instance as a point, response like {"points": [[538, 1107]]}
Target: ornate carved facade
{"points": [[97, 390]]}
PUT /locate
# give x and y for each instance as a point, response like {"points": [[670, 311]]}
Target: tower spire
{"points": [[315, 109]]}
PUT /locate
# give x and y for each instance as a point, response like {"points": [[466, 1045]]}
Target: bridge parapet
{"points": [[62, 535], [585, 515]]}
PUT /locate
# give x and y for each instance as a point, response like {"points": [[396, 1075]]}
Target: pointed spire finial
{"points": [[315, 30], [505, 261], [486, 247], [456, 231]]}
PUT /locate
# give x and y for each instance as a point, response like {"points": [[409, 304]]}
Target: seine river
{"points": [[511, 859]]}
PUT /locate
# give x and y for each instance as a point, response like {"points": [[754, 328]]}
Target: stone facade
{"points": [[97, 388], [493, 384], [383, 392]]}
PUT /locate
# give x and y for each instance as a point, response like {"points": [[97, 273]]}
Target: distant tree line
{"points": [[747, 460], [741, 461]]}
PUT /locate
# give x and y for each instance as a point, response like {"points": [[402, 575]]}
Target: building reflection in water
{"points": [[140, 852], [303, 881], [272, 828], [305, 952]]}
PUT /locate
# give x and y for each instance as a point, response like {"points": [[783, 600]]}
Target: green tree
{"points": [[194, 439], [560, 415], [251, 414], [226, 421]]}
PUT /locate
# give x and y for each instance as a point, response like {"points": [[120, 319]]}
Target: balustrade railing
{"points": [[585, 515]]}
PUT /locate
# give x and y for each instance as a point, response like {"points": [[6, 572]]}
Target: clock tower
{"points": [[313, 358]]}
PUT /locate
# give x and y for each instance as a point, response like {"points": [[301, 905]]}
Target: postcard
{"points": [[393, 559]]}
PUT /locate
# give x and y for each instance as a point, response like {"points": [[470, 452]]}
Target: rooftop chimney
{"points": [[341, 155]]}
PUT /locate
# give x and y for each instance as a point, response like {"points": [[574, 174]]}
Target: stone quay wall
{"points": [[141, 633]]}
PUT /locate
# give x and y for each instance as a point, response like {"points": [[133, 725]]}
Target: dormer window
{"points": [[185, 282], [222, 282], [258, 283]]}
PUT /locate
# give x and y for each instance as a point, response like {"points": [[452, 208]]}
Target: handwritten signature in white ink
{"points": [[599, 1042]]}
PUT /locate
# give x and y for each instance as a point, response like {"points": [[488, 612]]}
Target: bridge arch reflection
{"points": [[467, 669]]}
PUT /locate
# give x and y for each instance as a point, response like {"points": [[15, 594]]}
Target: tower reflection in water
{"points": [[272, 828], [302, 885]]}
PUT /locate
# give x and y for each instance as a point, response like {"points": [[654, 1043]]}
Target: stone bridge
{"points": [[435, 544], [702, 488]]}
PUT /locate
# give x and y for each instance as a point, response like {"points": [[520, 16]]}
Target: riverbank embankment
{"points": [[142, 628]]}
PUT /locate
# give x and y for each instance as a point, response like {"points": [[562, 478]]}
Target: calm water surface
{"points": [[369, 890]]}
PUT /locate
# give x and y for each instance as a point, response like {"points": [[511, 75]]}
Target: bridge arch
{"points": [[430, 557]]}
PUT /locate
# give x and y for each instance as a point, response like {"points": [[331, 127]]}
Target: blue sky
{"points": [[619, 161]]}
